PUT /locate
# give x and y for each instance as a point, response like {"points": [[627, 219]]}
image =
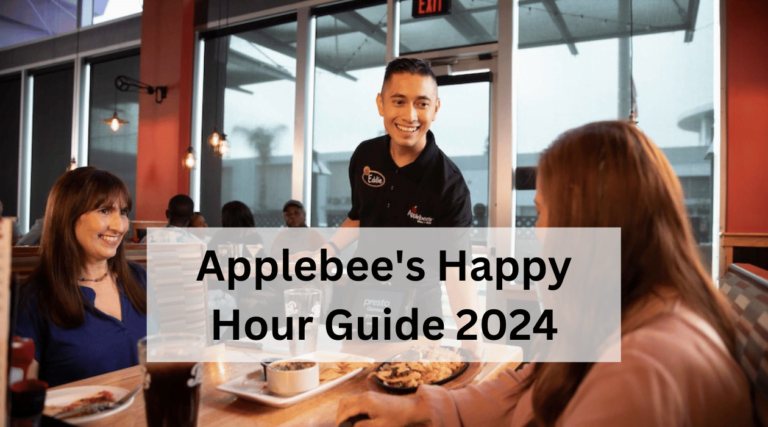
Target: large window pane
{"points": [[10, 98], [350, 60], [470, 22], [674, 82], [114, 151], [51, 134], [256, 110]]}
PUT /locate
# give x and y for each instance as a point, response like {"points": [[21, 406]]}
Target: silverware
{"points": [[97, 407]]}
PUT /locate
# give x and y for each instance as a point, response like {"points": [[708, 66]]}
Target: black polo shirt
{"points": [[429, 192]]}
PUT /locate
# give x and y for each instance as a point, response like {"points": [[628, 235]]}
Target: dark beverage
{"points": [[172, 393]]}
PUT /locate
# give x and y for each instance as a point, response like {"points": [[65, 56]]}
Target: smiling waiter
{"points": [[402, 179]]}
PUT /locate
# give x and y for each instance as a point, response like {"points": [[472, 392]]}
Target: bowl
{"points": [[265, 363], [291, 377]]}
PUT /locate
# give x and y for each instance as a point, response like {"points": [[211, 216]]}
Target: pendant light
{"points": [[218, 140], [115, 121], [189, 159], [223, 146]]}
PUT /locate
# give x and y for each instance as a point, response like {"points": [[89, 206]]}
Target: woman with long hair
{"points": [[236, 214], [677, 348], [84, 305]]}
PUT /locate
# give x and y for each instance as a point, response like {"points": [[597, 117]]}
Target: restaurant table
{"points": [[221, 409]]}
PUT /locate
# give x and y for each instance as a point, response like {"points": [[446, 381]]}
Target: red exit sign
{"points": [[424, 8]]}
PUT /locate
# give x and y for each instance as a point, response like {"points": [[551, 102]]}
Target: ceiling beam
{"points": [[557, 19], [357, 22], [462, 20], [693, 12], [618, 34], [263, 39]]}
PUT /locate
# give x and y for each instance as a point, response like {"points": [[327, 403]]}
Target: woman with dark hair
{"points": [[236, 214], [677, 342], [84, 305]]}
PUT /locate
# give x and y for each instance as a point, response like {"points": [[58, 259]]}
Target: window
{"points": [[349, 68], [674, 79], [10, 100], [51, 133], [250, 90], [114, 151]]}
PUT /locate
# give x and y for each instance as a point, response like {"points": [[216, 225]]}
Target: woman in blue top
{"points": [[84, 305]]}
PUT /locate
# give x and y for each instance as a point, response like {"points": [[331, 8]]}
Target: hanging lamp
{"points": [[115, 121]]}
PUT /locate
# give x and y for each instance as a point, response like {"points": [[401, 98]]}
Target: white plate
{"points": [[66, 396], [252, 387]]}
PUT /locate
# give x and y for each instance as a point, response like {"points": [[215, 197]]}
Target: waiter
{"points": [[402, 179]]}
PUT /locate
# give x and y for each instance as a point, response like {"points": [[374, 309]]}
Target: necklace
{"points": [[83, 279]]}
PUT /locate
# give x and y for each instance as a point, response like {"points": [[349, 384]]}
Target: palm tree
{"points": [[262, 139]]}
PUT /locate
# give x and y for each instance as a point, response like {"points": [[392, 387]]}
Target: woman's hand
{"points": [[384, 410]]}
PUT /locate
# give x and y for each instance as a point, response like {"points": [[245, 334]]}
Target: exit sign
{"points": [[425, 8]]}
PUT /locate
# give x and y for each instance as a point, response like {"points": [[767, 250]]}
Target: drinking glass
{"points": [[172, 389], [303, 303]]}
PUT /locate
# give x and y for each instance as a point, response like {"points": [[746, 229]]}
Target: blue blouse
{"points": [[101, 344]]}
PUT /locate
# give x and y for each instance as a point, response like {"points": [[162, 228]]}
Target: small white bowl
{"points": [[288, 383]]}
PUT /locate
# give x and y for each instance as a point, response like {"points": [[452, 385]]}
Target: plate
{"points": [[409, 390], [252, 387], [65, 396]]}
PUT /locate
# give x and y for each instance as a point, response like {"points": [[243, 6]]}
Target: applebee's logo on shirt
{"points": [[372, 178], [414, 214]]}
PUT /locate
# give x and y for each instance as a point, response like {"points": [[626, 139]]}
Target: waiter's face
{"points": [[409, 104]]}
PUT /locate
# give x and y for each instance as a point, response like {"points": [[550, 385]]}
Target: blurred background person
{"points": [[297, 237], [84, 305], [179, 214], [198, 221], [294, 214], [32, 238], [236, 214]]}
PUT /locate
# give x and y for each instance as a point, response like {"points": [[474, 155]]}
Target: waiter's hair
{"points": [[74, 194], [610, 174], [408, 65]]}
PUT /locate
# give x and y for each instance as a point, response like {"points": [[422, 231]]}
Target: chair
{"points": [[748, 294]]}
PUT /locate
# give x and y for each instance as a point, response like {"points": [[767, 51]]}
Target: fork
{"points": [[98, 407]]}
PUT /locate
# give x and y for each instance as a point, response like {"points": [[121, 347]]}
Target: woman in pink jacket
{"points": [[677, 344]]}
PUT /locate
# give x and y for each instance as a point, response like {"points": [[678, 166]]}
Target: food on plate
{"points": [[292, 377], [339, 369], [103, 396], [434, 365], [291, 366]]}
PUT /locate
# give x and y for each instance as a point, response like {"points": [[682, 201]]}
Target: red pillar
{"points": [[167, 59], [747, 98]]}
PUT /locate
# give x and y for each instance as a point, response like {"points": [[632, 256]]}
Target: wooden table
{"points": [[224, 409]]}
